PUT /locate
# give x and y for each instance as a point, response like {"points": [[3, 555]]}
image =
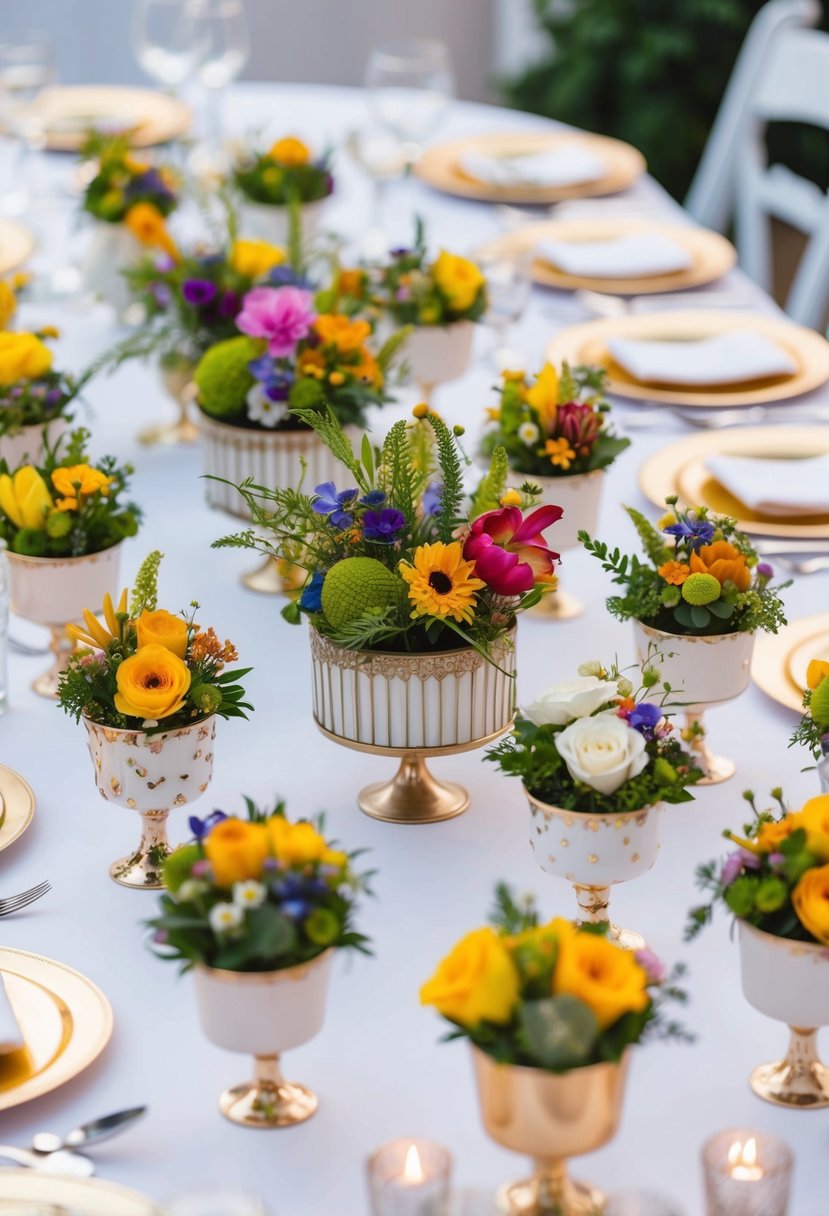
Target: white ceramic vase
{"points": [[112, 249], [580, 497], [271, 221], [788, 981], [412, 706], [150, 774], [703, 672], [54, 591], [27, 445], [438, 353], [264, 1013], [595, 853]]}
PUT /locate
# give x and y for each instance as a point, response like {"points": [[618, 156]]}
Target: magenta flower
{"points": [[509, 552], [282, 315]]}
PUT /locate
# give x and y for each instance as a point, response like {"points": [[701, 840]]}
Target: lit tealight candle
{"points": [[746, 1174], [742, 1161], [409, 1178]]}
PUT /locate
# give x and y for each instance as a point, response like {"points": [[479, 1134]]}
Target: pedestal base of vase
{"points": [[142, 870], [183, 431], [800, 1081], [715, 768], [542, 1195], [593, 904], [269, 1100], [413, 795], [274, 577], [558, 606], [46, 685]]}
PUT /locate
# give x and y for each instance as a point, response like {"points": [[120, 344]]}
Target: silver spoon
{"points": [[88, 1133], [61, 1162]]}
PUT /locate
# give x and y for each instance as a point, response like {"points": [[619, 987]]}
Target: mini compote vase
{"points": [[579, 496], [788, 981], [550, 1117], [263, 1013], [412, 706], [177, 378], [594, 853], [150, 774], [436, 354], [705, 672]]}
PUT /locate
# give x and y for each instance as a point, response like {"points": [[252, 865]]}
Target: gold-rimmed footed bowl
{"points": [[176, 372], [413, 707], [150, 774], [579, 496]]}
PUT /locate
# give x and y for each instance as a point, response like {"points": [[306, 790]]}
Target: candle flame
{"points": [[413, 1170], [743, 1154]]}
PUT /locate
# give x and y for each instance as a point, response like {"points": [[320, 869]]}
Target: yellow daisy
{"points": [[441, 583]]}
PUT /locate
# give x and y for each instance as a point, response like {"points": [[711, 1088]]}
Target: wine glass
{"points": [[508, 285], [170, 39], [228, 48], [27, 66], [410, 84]]}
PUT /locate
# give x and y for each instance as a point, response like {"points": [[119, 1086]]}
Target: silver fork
{"points": [[14, 903]]}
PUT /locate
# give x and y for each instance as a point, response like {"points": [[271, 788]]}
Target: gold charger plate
{"points": [[17, 806], [712, 255], [150, 117], [680, 469], [439, 166], [69, 1196], [66, 1022], [775, 655], [16, 245], [588, 344]]}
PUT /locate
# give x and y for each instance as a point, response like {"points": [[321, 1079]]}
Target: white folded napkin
{"points": [[11, 1036], [563, 166], [728, 358], [775, 487], [635, 255]]}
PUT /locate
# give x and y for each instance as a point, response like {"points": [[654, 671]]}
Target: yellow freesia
{"points": [[543, 397], [603, 975], [25, 498], [8, 303], [255, 258], [95, 635]]}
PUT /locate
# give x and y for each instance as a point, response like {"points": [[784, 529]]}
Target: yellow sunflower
{"points": [[441, 583]]}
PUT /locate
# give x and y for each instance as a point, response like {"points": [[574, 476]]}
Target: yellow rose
{"points": [[603, 975], [543, 397], [814, 817], [8, 303], [476, 982], [816, 672], [236, 851], [78, 481], [255, 258], [152, 683], [25, 498], [163, 629], [22, 357], [458, 279], [290, 151], [810, 899], [295, 843]]}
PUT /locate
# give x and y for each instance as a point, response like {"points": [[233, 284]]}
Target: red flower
{"points": [[509, 552], [579, 424]]}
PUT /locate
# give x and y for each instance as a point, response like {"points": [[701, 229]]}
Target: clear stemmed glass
{"points": [[170, 39], [27, 66], [410, 84], [227, 53], [509, 286]]}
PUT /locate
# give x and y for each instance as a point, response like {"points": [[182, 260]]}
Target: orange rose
{"points": [[725, 562]]}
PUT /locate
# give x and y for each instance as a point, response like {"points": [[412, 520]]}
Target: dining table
{"points": [[378, 1066]]}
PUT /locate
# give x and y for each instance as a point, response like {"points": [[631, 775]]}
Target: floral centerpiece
{"points": [[555, 429], [412, 594], [149, 685], [63, 522], [255, 908], [283, 189], [700, 597], [776, 883], [35, 399], [813, 729], [551, 1012], [597, 757]]}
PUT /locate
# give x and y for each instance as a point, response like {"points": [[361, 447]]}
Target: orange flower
{"points": [[368, 369], [77, 482], [146, 223], [725, 562], [336, 330], [290, 151], [350, 282], [675, 573], [560, 453], [816, 672]]}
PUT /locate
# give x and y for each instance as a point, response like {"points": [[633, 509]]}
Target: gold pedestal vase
{"points": [[177, 378], [435, 354], [412, 706], [150, 774], [788, 981], [263, 1014], [54, 591], [703, 672], [550, 1117], [579, 496], [594, 853]]}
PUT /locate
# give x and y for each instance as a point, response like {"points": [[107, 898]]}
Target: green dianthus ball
{"points": [[819, 703], [223, 377], [306, 394], [59, 524], [357, 585], [700, 589]]}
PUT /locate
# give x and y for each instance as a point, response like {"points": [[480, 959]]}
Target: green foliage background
{"points": [[651, 72]]}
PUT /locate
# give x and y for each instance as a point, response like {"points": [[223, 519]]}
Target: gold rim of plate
{"points": [[16, 245], [588, 344], [439, 166], [680, 469], [78, 1196], [18, 806], [150, 117], [712, 255], [771, 668], [66, 1022]]}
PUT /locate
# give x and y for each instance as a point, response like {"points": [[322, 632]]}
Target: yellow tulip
{"points": [[22, 357], [25, 498], [95, 635], [164, 629], [543, 397], [236, 851], [814, 817], [458, 279], [152, 684], [476, 982], [255, 258], [146, 223], [817, 670], [603, 975], [810, 900], [8, 303]]}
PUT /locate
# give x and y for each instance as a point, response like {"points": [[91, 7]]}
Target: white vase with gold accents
{"points": [[436, 354], [580, 498]]}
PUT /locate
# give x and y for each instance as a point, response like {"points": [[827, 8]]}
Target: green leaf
{"points": [[367, 457], [491, 488], [560, 1031], [700, 616], [271, 934]]}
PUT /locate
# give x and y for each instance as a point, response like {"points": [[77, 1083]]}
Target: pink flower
{"points": [[283, 315], [578, 424], [509, 552]]}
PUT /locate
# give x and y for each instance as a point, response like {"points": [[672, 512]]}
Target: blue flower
{"points": [[330, 502], [202, 827], [295, 909], [286, 276], [374, 498], [644, 717], [384, 525], [433, 498], [696, 532], [262, 368], [311, 598]]}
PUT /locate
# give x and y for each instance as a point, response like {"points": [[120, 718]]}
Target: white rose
{"points": [[603, 752], [577, 698]]}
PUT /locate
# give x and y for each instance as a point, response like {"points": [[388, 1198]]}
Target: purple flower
{"points": [[696, 532], [198, 292], [765, 570], [433, 498], [403, 293], [776, 859], [229, 304], [54, 397], [202, 827], [151, 183], [374, 498], [161, 937], [161, 293], [644, 717], [330, 502], [283, 316], [652, 965], [735, 863], [383, 525]]}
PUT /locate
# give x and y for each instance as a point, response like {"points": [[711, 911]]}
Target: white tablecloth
{"points": [[377, 1066]]}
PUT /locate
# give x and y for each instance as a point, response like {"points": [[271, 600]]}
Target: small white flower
{"points": [[264, 411], [528, 433], [224, 917], [248, 894], [190, 889]]}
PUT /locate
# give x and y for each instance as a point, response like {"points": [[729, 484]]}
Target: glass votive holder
{"points": [[409, 1178], [746, 1173], [642, 1203]]}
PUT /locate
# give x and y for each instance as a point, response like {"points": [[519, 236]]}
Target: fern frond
{"points": [[451, 474], [491, 488], [335, 439], [397, 474]]}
